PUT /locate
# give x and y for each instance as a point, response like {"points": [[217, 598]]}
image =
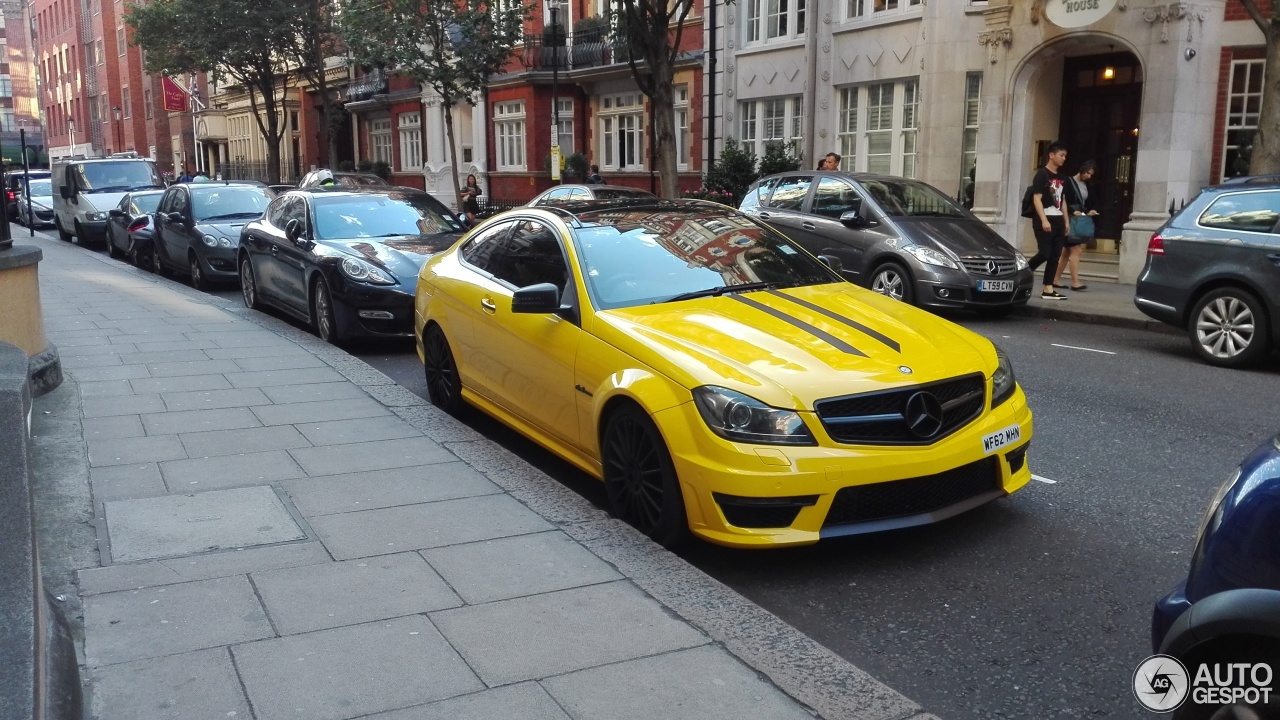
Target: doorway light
{"points": [[1108, 73]]}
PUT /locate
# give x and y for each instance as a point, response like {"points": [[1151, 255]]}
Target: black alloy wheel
{"points": [[444, 385], [198, 280], [639, 480], [248, 285], [322, 313]]}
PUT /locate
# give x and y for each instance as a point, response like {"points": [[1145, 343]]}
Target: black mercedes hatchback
{"points": [[1214, 269]]}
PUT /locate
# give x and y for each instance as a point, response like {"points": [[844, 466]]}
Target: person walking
{"points": [[594, 178], [1080, 228], [1049, 222], [830, 162], [471, 198], [186, 176]]}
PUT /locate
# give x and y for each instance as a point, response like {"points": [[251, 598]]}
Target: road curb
{"points": [[1088, 318]]}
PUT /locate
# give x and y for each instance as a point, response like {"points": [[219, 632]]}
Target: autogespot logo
{"points": [[1160, 683]]}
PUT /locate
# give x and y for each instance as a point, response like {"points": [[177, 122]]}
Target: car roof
{"points": [[861, 177], [587, 210], [356, 190]]}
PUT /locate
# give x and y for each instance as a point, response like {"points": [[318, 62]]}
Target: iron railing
{"points": [[591, 48]]}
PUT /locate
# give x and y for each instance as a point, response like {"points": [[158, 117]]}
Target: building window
{"points": [[6, 87], [508, 130], [564, 135], [101, 54], [782, 120], [682, 127], [859, 9], [621, 132], [120, 43], [1244, 104], [878, 127], [410, 141], [778, 19], [969, 138], [380, 139], [126, 106], [146, 104], [752, 23]]}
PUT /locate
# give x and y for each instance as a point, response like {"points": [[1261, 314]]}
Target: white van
{"points": [[85, 191]]}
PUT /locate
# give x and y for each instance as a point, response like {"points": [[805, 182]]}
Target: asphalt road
{"points": [[1038, 605]]}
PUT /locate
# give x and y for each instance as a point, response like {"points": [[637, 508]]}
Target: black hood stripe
{"points": [[889, 342], [825, 336]]}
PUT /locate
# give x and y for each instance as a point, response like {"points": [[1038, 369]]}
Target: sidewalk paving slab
{"points": [[227, 471], [375, 489], [200, 684]]}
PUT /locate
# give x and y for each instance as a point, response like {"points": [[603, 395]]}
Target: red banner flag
{"points": [[175, 98]]}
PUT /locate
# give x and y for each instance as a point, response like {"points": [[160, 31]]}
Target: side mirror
{"points": [[65, 192], [175, 217], [852, 219], [293, 230], [536, 299], [833, 262], [115, 212]]}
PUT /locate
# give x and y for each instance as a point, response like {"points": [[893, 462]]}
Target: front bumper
{"points": [[945, 288], [724, 483], [93, 232], [219, 263], [371, 310]]}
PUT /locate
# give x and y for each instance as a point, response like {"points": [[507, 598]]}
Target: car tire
{"points": [[248, 283], [893, 280], [63, 235], [640, 480], [134, 257], [112, 251], [196, 271], [157, 264], [444, 384], [1229, 328], [322, 314]]}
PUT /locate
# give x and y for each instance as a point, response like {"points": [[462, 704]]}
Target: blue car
{"points": [[1228, 608]]}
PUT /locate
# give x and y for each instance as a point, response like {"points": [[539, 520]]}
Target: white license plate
{"points": [[995, 285], [1001, 438]]}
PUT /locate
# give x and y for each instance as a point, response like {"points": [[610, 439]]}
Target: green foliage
{"points": [[734, 172], [587, 26], [576, 165], [346, 166], [382, 169], [779, 157]]}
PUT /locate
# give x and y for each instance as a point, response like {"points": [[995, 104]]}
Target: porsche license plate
{"points": [[1001, 438], [995, 286]]}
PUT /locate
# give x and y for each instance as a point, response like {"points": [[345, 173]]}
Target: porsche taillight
{"points": [[138, 224], [1155, 246]]}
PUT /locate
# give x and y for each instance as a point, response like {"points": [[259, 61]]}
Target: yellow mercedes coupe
{"points": [[716, 377]]}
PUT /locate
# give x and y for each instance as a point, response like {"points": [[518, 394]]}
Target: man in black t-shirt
{"points": [[1050, 221]]}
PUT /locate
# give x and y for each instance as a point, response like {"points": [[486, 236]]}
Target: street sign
{"points": [[556, 162]]}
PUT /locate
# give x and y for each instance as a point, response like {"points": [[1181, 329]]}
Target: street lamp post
{"points": [[557, 38], [71, 128], [115, 111]]}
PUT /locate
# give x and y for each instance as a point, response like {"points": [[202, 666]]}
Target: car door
{"points": [[466, 299], [161, 223], [1237, 237], [531, 357], [784, 209], [174, 231], [822, 233], [256, 241], [289, 261]]}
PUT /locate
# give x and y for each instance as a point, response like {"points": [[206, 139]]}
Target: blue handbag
{"points": [[1081, 227]]}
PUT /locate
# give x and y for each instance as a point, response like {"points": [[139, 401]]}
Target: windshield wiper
{"points": [[718, 291], [229, 216]]}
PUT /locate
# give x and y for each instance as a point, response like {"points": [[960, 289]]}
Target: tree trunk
{"points": [[1265, 158], [664, 131], [453, 150], [270, 128]]}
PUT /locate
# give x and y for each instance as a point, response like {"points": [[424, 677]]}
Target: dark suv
{"points": [[896, 236], [1214, 269]]}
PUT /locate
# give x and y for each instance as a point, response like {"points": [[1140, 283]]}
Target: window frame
{"points": [[621, 117], [756, 114], [509, 135], [1241, 127], [879, 122], [409, 129], [865, 10], [380, 145]]}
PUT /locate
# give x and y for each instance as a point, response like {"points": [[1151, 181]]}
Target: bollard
{"points": [[21, 320]]}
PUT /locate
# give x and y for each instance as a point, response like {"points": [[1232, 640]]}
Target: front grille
{"points": [[751, 512], [981, 266], [879, 418], [913, 496]]}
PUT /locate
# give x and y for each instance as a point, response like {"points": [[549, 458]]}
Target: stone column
{"points": [[21, 320]]}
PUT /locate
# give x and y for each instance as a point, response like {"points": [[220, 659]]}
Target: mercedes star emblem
{"points": [[923, 415], [993, 267]]}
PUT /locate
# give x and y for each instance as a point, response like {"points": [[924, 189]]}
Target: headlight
{"points": [[95, 216], [929, 256], [1002, 382], [1213, 515], [362, 271], [1020, 260], [741, 418], [224, 242], [210, 240]]}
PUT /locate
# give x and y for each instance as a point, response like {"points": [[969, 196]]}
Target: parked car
{"points": [[197, 228], [15, 183], [565, 194], [345, 260], [34, 203], [316, 178], [716, 377], [1214, 269], [899, 237], [130, 225], [1227, 609]]}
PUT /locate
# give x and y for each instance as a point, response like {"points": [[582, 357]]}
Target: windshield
{"points": [[637, 257], [118, 176], [38, 188], [361, 181], [389, 215], [907, 198], [147, 203], [228, 202]]}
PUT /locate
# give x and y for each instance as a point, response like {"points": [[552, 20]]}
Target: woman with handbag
{"points": [[1080, 204]]}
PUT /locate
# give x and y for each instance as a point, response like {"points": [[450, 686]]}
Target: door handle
{"points": [[764, 216], [488, 305], [808, 226], [1274, 258]]}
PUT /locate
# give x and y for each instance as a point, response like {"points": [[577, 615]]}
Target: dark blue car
{"points": [[1228, 608]]}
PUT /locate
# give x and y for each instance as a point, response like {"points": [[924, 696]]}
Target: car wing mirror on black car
{"points": [[833, 262], [175, 217], [852, 219]]}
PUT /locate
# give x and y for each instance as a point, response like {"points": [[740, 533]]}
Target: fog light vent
{"points": [[376, 315]]}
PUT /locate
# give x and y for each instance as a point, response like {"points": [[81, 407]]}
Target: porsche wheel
{"points": [[322, 312], [444, 385], [248, 284], [639, 479]]}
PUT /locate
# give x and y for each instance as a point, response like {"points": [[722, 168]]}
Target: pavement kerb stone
{"points": [[1032, 309], [811, 674]]}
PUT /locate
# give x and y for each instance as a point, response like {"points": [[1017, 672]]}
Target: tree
{"points": [[315, 40], [779, 156], [234, 39], [645, 29], [450, 47], [1266, 141], [734, 172]]}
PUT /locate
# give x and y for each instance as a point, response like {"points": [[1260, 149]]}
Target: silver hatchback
{"points": [[897, 236]]}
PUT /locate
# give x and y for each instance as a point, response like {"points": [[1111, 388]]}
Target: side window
{"points": [[834, 198], [179, 203], [1244, 212], [759, 194], [790, 193], [294, 209], [481, 250], [533, 256], [558, 197], [166, 201], [275, 211], [580, 194], [126, 203]]}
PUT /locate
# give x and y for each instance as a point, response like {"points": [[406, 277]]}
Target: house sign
{"points": [[1077, 13]]}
